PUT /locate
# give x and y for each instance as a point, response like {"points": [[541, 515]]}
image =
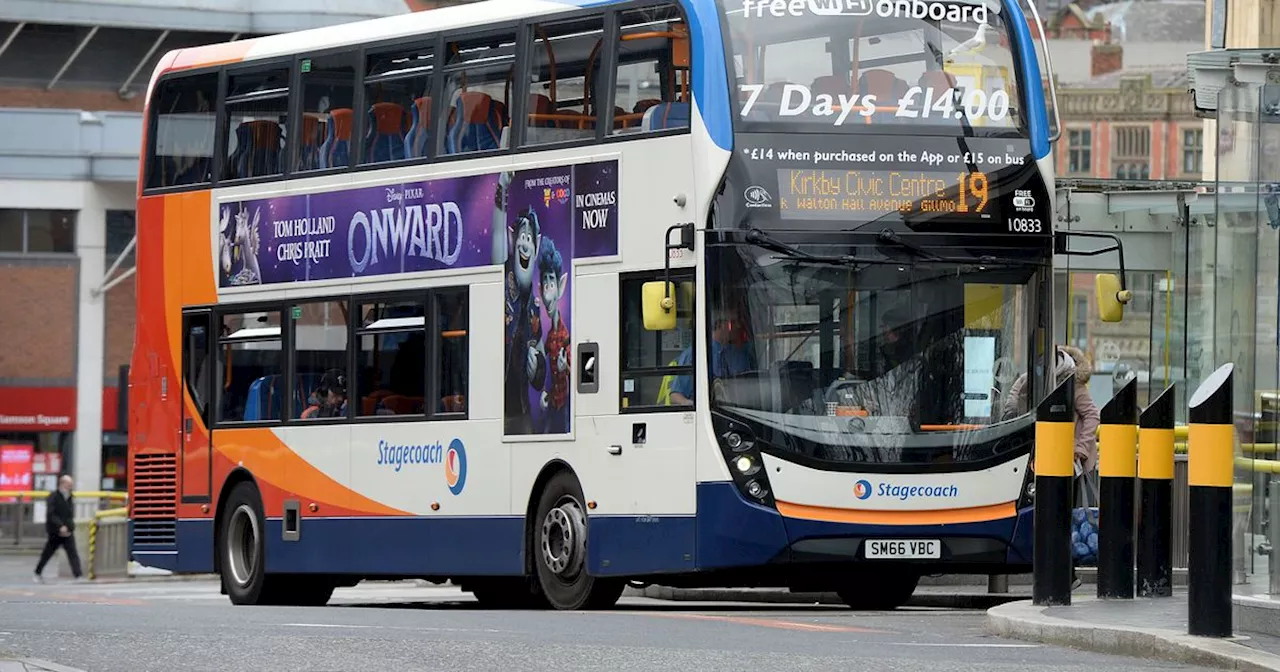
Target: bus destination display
{"points": [[815, 193]]}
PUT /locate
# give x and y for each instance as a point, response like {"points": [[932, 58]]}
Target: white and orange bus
{"points": [[543, 297]]}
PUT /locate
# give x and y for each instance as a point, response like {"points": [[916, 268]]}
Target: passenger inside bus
{"points": [[731, 355], [329, 399]]}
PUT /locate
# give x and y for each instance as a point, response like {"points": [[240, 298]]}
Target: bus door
{"points": [[197, 368]]}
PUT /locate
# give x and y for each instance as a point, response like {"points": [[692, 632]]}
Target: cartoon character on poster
{"points": [[554, 400], [526, 364], [240, 242]]}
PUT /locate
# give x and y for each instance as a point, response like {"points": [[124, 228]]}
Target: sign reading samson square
{"points": [[409, 227]]}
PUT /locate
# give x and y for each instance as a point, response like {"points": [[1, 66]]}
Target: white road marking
{"points": [[966, 646], [391, 627]]}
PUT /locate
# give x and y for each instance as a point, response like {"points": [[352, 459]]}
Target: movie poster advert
{"points": [[540, 216], [428, 225]]}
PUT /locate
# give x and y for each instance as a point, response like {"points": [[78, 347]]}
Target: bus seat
{"points": [[305, 384], [454, 403], [940, 80], [336, 151], [309, 154], [887, 89], [643, 106], [832, 85], [385, 137], [666, 115], [500, 112], [473, 124], [417, 141], [264, 400], [401, 405], [260, 141], [541, 105]]}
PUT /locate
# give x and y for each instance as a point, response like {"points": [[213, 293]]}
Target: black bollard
{"points": [[1210, 462], [1117, 467], [1055, 472], [1155, 475]]}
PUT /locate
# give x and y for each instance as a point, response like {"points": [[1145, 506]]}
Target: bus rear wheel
{"points": [[560, 549], [242, 555], [880, 592]]}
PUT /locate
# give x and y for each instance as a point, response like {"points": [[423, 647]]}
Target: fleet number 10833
{"points": [[1025, 225]]}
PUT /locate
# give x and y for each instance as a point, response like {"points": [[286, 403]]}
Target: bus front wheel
{"points": [[560, 547], [881, 592]]}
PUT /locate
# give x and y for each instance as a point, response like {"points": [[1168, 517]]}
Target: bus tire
{"points": [[560, 550], [882, 592], [243, 550]]}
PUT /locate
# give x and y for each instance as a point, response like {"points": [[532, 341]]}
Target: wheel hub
{"points": [[564, 537], [242, 545]]}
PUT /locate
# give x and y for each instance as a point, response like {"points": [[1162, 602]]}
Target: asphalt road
{"points": [[187, 625]]}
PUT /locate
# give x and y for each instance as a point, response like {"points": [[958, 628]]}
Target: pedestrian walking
{"points": [[60, 525]]}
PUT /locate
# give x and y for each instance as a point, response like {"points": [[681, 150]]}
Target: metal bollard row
{"points": [[1136, 461]]}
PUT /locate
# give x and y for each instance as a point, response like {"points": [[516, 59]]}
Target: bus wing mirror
{"points": [[658, 304], [1111, 297]]}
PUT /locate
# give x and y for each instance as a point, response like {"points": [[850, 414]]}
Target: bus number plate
{"points": [[903, 548]]}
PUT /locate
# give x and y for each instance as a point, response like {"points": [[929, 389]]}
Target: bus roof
{"points": [[373, 30]]}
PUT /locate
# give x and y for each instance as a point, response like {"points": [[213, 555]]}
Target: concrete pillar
{"points": [[91, 240]]}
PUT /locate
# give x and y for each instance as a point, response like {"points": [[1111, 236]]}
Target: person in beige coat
{"points": [[1070, 361]]}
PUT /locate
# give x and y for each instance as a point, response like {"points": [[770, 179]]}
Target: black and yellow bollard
{"points": [[1117, 467], [1155, 476], [1055, 472], [1210, 463]]}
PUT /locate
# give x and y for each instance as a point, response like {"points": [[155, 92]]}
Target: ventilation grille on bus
{"points": [[155, 499]]}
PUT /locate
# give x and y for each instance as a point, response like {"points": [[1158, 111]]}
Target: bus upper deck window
{"points": [[477, 93], [565, 61], [397, 100], [183, 128], [328, 91], [652, 91], [257, 116]]}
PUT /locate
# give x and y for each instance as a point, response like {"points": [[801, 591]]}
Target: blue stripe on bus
{"points": [[1031, 85], [1020, 545], [710, 73], [631, 545]]}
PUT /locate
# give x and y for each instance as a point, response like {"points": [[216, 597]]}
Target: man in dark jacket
{"points": [[60, 524]]}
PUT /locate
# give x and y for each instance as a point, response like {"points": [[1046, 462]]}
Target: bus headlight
{"points": [[744, 463], [756, 490]]}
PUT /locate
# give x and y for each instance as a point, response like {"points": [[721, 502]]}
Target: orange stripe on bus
{"points": [[212, 54], [950, 428], [977, 514]]}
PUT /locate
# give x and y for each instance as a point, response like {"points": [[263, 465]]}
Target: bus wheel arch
{"points": [[558, 548]]}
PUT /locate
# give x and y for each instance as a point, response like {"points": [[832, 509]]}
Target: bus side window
{"points": [[397, 98], [328, 92], [656, 366], [257, 116], [477, 91], [320, 360], [652, 91], [565, 60], [183, 129], [253, 388]]}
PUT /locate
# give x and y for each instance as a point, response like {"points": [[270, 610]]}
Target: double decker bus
{"points": [[542, 298]]}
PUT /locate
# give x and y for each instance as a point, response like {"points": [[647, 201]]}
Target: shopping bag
{"points": [[1084, 517]]}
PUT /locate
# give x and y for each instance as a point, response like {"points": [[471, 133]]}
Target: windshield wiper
{"points": [[763, 240], [890, 238]]}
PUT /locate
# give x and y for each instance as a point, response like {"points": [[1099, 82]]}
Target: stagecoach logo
{"points": [[909, 9], [757, 197], [862, 489], [453, 459]]}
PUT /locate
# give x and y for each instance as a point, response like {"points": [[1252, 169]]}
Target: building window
{"points": [[1192, 151], [1080, 151], [38, 231], [657, 366], [121, 226], [1131, 153]]}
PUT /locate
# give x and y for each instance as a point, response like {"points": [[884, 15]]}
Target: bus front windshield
{"points": [[878, 362], [873, 65]]}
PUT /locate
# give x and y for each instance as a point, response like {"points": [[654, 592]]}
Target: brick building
{"points": [[73, 77], [1122, 87]]}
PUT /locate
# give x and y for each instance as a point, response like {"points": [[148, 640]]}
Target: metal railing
{"points": [[18, 528]]}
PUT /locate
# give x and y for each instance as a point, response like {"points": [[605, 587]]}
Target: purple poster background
{"points": [[402, 228], [538, 288], [595, 209]]}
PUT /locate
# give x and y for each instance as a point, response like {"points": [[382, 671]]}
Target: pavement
{"points": [[1152, 628]]}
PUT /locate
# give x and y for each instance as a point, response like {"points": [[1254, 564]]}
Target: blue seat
{"points": [[666, 115], [475, 124], [385, 137], [417, 142], [264, 401], [336, 150]]}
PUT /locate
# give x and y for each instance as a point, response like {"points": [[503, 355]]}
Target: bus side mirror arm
{"points": [[686, 243], [1112, 292]]}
